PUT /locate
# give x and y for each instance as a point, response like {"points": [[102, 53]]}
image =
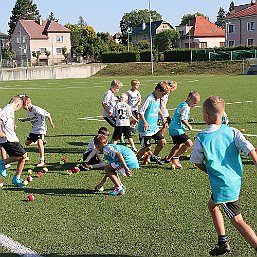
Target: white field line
{"points": [[16, 247]]}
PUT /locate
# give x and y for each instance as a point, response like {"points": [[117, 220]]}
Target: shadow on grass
{"points": [[81, 135], [64, 255], [60, 150]]}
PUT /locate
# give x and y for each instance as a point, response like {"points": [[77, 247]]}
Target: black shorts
{"points": [[93, 160], [13, 148], [179, 139], [111, 121], [146, 140], [135, 114], [231, 208], [34, 137], [118, 131]]}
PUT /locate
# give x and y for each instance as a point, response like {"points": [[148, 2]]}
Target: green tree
{"points": [[165, 40], [189, 17], [231, 8], [65, 54], [47, 53], [81, 22], [136, 17], [36, 54], [23, 9], [220, 18], [51, 17]]}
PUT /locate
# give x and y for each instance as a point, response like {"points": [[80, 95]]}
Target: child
{"points": [[164, 113], [134, 100], [147, 126], [109, 101], [91, 157], [36, 116], [122, 113], [177, 129], [10, 142], [216, 152], [121, 159]]}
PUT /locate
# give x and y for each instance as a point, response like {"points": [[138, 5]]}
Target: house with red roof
{"points": [[200, 33], [42, 35], [241, 25]]}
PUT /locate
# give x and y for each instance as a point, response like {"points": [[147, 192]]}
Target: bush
{"points": [[145, 56], [114, 57]]}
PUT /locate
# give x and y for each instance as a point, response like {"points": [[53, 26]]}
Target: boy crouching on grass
{"points": [[121, 159], [217, 152]]}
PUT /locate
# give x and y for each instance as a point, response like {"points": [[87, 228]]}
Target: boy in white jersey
{"points": [[10, 142], [122, 113], [36, 116], [217, 152], [134, 101], [177, 126], [110, 100], [147, 126]]}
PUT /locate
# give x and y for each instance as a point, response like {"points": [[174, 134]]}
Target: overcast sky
{"points": [[105, 15]]}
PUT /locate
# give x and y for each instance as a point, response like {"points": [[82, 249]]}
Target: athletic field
{"points": [[163, 213]]}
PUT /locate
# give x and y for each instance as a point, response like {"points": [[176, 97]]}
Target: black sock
{"points": [[222, 239]]}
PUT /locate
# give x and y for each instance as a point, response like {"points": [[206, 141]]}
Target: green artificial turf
{"points": [[163, 213]]}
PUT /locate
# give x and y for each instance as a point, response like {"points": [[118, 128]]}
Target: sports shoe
{"points": [[167, 160], [114, 188], [220, 249], [7, 166], [17, 182], [41, 164], [156, 159], [99, 189], [84, 166], [2, 169], [44, 142], [117, 192]]}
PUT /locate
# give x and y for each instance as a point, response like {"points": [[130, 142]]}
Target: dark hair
{"points": [[162, 86], [103, 131]]}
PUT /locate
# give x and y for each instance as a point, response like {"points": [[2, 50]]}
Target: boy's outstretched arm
{"points": [[253, 155], [23, 119], [51, 121]]}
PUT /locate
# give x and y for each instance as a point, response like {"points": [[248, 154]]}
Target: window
{"points": [[58, 51], [23, 39], [203, 45], [231, 28], [42, 50], [231, 43], [250, 26], [18, 40], [250, 41], [59, 39]]}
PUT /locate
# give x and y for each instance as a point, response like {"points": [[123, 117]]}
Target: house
{"points": [[42, 35], [142, 32], [4, 41], [200, 33], [241, 26]]}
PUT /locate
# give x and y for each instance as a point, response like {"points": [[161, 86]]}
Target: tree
{"points": [[51, 17], [165, 40], [136, 17], [65, 54], [231, 8], [189, 17], [36, 54], [81, 22], [47, 53], [23, 9], [220, 18]]}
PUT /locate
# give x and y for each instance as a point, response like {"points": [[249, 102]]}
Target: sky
{"points": [[105, 15]]}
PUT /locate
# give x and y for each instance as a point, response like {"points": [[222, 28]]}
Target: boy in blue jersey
{"points": [[177, 127], [216, 152], [148, 123], [121, 159]]}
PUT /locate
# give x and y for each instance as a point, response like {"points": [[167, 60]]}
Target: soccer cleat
{"points": [[167, 160], [7, 166], [41, 164], [17, 182], [99, 189], [84, 166], [220, 249], [117, 192], [156, 159], [2, 169], [114, 188]]}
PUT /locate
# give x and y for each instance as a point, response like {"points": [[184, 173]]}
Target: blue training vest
{"points": [[223, 164]]}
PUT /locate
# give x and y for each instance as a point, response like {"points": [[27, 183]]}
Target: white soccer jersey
{"points": [[164, 101], [90, 146], [37, 117], [133, 98], [122, 112], [110, 100], [7, 117]]}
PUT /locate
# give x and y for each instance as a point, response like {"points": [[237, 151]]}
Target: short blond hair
{"points": [[123, 97], [195, 95], [116, 83], [214, 106]]}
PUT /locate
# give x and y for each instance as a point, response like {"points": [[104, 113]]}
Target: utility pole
{"points": [[150, 33]]}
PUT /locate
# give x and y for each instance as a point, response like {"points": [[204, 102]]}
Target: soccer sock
{"points": [[222, 239]]}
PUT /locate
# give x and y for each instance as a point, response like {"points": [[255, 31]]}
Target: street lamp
{"points": [[129, 31], [150, 33]]}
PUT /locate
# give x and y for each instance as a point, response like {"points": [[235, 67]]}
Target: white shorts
{"points": [[118, 168]]}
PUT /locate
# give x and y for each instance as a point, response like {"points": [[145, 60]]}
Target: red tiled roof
{"points": [[37, 31], [249, 11], [204, 28]]}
